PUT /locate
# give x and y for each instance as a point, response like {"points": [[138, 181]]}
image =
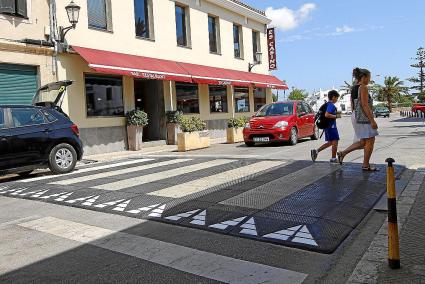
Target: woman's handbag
{"points": [[361, 117]]}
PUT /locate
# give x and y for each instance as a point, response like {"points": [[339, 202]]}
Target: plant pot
{"points": [[135, 136], [187, 141], [234, 135], [172, 130]]}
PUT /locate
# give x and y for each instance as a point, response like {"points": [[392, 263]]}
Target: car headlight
{"points": [[247, 125], [281, 124]]}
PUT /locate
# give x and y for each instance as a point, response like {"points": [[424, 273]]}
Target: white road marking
{"points": [[119, 172], [300, 234], [161, 175], [249, 228], [196, 262], [225, 224], [85, 170], [202, 184], [143, 209], [182, 215], [199, 219]]}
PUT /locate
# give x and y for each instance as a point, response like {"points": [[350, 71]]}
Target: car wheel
{"points": [[62, 159], [293, 139], [316, 133], [25, 174], [249, 144]]}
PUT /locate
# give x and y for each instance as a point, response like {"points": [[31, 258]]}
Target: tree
{"points": [[419, 82], [297, 94], [275, 97], [421, 97], [393, 90], [346, 88]]}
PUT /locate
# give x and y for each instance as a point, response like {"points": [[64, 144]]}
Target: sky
{"points": [[320, 42]]}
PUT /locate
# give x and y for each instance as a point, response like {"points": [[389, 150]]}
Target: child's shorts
{"points": [[331, 134]]}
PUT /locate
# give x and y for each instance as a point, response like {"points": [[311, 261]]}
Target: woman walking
{"points": [[364, 125]]}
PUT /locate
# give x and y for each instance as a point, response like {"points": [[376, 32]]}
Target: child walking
{"points": [[331, 133]]}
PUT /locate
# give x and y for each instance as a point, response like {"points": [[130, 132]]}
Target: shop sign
{"points": [[224, 83], [271, 48], [148, 75]]}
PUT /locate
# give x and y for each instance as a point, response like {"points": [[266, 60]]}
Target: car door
{"points": [[309, 122], [301, 120], [6, 157], [29, 134]]}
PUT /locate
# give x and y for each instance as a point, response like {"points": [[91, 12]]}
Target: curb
{"points": [[366, 270]]}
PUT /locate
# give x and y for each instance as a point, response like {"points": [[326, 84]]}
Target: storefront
{"points": [[108, 84]]}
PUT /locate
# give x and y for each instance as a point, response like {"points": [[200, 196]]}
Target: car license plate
{"points": [[261, 139]]}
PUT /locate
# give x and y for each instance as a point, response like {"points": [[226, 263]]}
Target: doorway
{"points": [[149, 97]]}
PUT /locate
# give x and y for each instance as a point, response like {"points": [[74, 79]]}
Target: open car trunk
{"points": [[51, 95]]}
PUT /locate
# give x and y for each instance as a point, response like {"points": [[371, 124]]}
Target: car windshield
{"points": [[279, 109]]}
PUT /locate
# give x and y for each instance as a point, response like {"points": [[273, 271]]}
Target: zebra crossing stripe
{"points": [[199, 219], [182, 215], [161, 175], [202, 184], [143, 209], [225, 224], [119, 172], [122, 206], [249, 228], [85, 170]]}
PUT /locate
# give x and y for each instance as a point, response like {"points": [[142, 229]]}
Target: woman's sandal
{"points": [[370, 169], [340, 157]]}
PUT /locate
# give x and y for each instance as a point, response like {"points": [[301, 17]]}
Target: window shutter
{"points": [[97, 14], [109, 15], [7, 6], [21, 8]]}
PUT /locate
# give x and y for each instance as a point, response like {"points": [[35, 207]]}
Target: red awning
{"points": [[133, 65], [160, 69]]}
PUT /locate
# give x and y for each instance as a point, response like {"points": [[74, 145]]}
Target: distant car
{"points": [[281, 121], [39, 135], [381, 111], [418, 107]]}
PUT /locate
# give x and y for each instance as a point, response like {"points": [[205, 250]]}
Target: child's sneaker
{"points": [[334, 161], [314, 154]]}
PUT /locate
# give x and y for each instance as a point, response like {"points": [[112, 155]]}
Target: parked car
{"points": [[418, 107], [281, 121], [381, 111], [39, 135]]}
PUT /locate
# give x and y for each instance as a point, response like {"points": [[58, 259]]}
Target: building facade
{"points": [[155, 55]]}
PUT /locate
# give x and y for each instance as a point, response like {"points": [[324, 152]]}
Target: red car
{"points": [[281, 121], [418, 107]]}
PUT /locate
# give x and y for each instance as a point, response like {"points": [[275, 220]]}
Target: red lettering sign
{"points": [[271, 47]]}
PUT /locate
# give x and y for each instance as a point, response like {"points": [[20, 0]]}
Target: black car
{"points": [[39, 135], [381, 111]]}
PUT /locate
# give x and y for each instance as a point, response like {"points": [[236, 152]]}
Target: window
{"points": [[241, 99], [104, 96], [218, 98], [14, 7], [259, 98], [214, 34], [26, 117], [187, 97], [256, 46], [50, 117], [237, 41], [300, 108], [143, 16], [276, 110], [308, 108], [182, 22], [2, 123], [99, 14]]}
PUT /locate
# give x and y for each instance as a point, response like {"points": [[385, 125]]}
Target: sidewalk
{"points": [[373, 267], [126, 154]]}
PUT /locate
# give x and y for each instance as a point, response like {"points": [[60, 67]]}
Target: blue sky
{"points": [[319, 42]]}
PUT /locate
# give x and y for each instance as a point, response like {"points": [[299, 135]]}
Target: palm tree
{"points": [[392, 90], [346, 88]]}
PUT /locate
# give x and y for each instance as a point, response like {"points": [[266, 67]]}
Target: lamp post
{"points": [[73, 12], [257, 61]]}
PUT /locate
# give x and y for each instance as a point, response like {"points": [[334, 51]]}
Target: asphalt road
{"points": [[43, 242]]}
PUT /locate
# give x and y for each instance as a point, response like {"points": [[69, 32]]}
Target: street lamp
{"points": [[73, 12], [257, 61]]}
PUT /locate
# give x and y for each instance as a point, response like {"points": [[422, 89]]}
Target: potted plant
{"points": [[136, 120], [193, 135], [173, 118], [235, 129]]}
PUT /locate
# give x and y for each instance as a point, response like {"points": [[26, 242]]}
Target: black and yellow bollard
{"points": [[393, 240]]}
